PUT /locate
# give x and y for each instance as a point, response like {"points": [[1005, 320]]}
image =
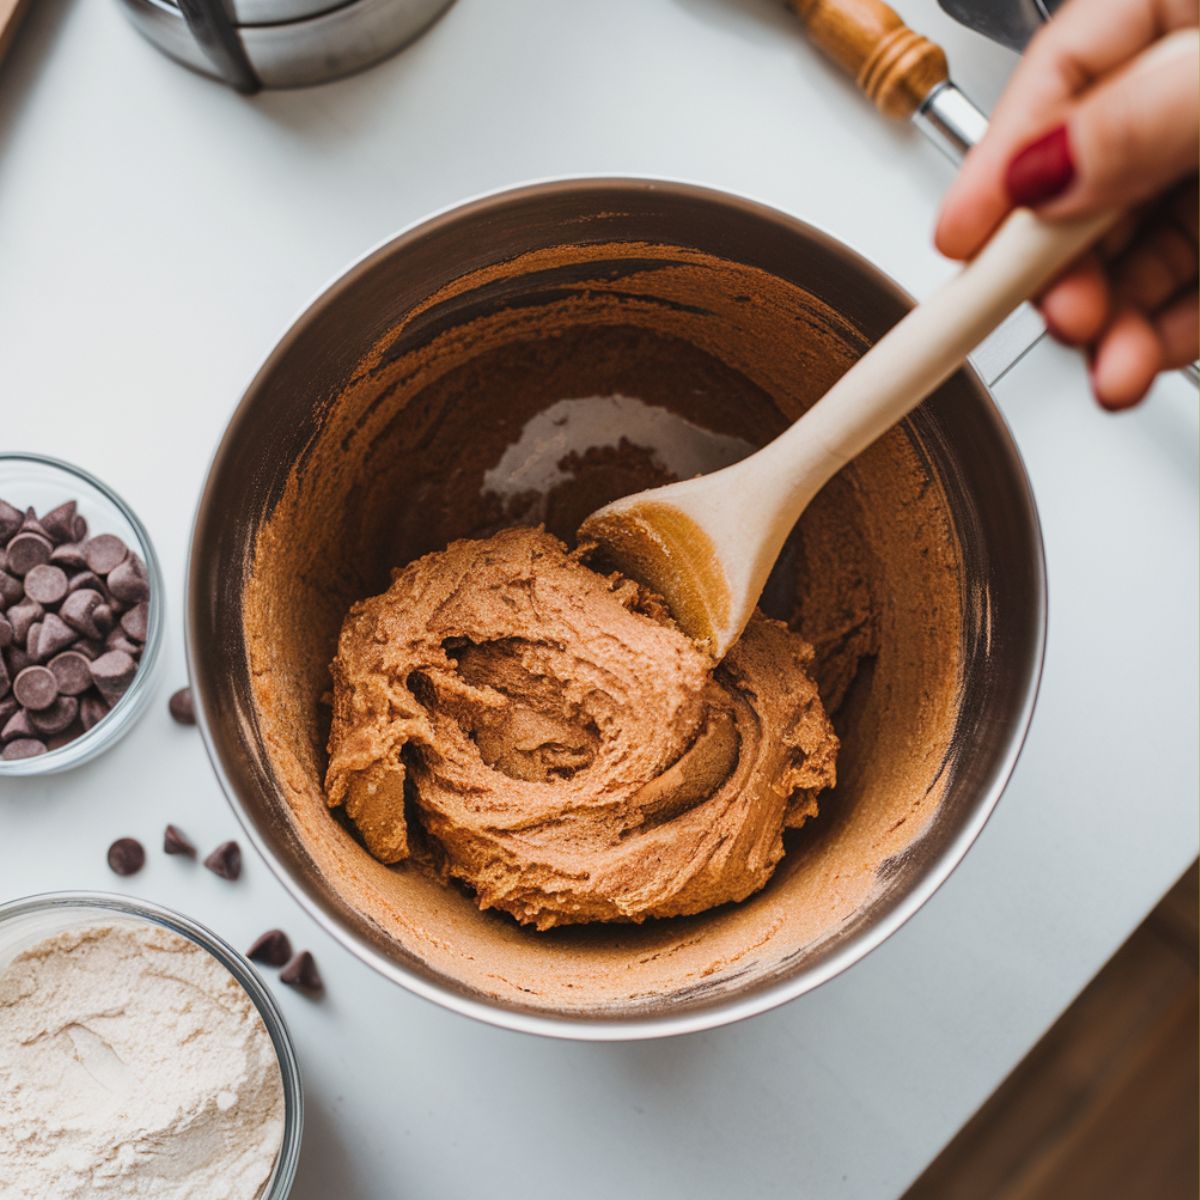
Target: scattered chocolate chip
{"points": [[8, 706], [59, 522], [90, 648], [55, 637], [225, 860], [5, 678], [26, 551], [182, 706], [81, 528], [10, 520], [272, 948], [6, 632], [112, 673], [32, 638], [58, 716], [104, 552], [72, 672], [302, 973], [35, 688], [176, 842], [126, 583], [23, 748], [126, 856], [92, 710]]}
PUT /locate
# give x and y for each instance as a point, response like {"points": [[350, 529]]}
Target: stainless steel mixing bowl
{"points": [[965, 439]]}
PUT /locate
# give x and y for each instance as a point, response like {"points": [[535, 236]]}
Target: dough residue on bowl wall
{"points": [[405, 460]]}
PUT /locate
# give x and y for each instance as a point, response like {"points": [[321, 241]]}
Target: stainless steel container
{"points": [[252, 44], [963, 438]]}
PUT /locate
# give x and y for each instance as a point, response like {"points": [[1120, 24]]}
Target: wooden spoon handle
{"points": [[894, 67], [920, 352]]}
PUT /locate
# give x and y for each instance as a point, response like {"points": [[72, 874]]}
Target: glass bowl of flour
{"points": [[140, 1057]]}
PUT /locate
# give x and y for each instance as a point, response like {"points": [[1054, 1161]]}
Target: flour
{"points": [[132, 1065]]}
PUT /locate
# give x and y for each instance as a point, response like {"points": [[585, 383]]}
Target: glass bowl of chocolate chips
{"points": [[81, 616]]}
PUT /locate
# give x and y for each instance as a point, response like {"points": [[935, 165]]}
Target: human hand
{"points": [[1102, 113]]}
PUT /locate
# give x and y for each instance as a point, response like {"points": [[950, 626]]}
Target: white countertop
{"points": [[157, 234]]}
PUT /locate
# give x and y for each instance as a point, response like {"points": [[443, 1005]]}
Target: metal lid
{"points": [[274, 12]]}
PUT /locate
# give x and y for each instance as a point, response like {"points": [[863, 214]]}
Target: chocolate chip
{"points": [[22, 616], [54, 638], [182, 707], [90, 648], [57, 740], [104, 619], [302, 973], [26, 551], [6, 632], [79, 611], [92, 710], [18, 660], [71, 671], [5, 678], [32, 638], [8, 706], [11, 589], [272, 948], [112, 673], [175, 842], [57, 717], [225, 860], [46, 583], [10, 520], [69, 555], [81, 528], [87, 579], [136, 620], [126, 583], [117, 640], [23, 748], [31, 524], [17, 726], [59, 522], [126, 856], [104, 552], [35, 688]]}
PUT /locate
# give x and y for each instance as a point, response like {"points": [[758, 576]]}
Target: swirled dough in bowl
{"points": [[570, 754]]}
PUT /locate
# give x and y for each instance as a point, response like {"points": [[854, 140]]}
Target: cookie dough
{"points": [[568, 752]]}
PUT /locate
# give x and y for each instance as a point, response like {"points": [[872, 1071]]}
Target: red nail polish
{"points": [[1043, 170]]}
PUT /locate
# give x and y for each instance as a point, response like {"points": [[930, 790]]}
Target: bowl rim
{"points": [[586, 1027], [95, 904], [124, 714]]}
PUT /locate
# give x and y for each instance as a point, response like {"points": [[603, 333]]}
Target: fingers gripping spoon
{"points": [[708, 544]]}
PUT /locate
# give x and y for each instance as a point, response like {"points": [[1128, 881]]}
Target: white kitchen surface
{"points": [[157, 234]]}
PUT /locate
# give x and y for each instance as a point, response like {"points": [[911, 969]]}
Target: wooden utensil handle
{"points": [[893, 66]]}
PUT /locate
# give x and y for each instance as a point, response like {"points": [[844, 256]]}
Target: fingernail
{"points": [[1043, 170]]}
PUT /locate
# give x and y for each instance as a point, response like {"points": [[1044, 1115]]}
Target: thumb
{"points": [[1126, 139]]}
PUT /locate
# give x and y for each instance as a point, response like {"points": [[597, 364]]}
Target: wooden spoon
{"points": [[708, 544]]}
